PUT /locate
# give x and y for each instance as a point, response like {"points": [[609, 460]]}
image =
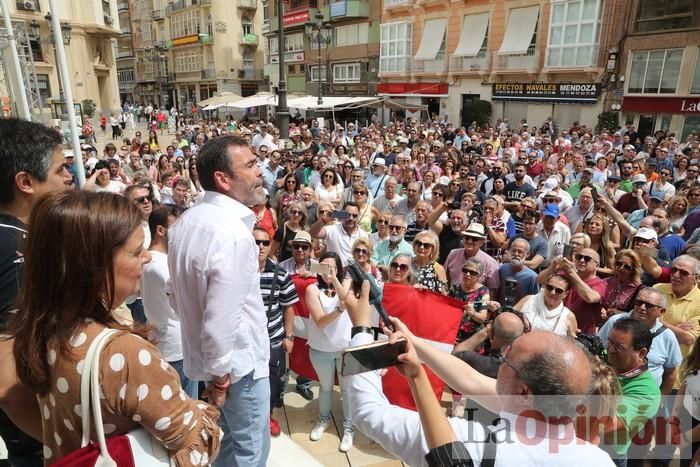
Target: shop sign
{"points": [[338, 8], [289, 57], [584, 93], [654, 104], [295, 18]]}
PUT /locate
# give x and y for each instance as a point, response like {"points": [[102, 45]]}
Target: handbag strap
{"points": [[90, 392]]}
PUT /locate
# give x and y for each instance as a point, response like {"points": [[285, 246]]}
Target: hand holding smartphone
{"points": [[321, 269], [374, 356]]}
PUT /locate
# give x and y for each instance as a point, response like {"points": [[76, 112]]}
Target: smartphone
{"points": [[568, 251], [510, 298], [340, 215], [594, 194], [648, 250], [321, 269], [374, 356]]}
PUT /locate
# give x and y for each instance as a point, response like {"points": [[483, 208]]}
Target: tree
{"points": [[89, 107], [609, 120]]}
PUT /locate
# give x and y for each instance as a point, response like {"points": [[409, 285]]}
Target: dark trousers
{"points": [[137, 311], [22, 449], [278, 376]]}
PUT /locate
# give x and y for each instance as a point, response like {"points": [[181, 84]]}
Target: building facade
{"points": [[94, 27], [185, 51], [658, 81], [531, 59], [349, 62]]}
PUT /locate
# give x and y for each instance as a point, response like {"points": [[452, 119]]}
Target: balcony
{"points": [[249, 39], [126, 86], [528, 61], [122, 6], [250, 75], [208, 74], [124, 54], [476, 64], [160, 44], [158, 14], [126, 31], [175, 6], [389, 4], [162, 79], [347, 9], [437, 65], [395, 65], [571, 57], [206, 38], [248, 4]]}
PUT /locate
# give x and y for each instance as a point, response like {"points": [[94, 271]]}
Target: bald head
{"points": [[506, 328], [592, 253]]}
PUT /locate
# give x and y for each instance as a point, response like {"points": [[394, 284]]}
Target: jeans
{"points": [[326, 364], [190, 386], [278, 373], [245, 420], [137, 312]]}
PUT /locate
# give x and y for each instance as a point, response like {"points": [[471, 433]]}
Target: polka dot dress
{"points": [[138, 389]]}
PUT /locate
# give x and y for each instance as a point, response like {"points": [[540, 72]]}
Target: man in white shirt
{"points": [[154, 294], [213, 263], [340, 237], [263, 138]]}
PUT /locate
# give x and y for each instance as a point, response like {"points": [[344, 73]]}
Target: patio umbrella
{"points": [[220, 100]]}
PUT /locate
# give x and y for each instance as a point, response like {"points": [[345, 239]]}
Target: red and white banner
{"points": [[429, 315]]}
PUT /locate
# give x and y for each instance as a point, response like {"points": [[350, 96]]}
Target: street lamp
{"points": [[66, 34], [282, 110], [322, 34]]}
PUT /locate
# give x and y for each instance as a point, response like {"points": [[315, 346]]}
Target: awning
{"points": [[472, 35], [256, 100], [220, 100], [330, 102], [521, 26], [433, 35]]}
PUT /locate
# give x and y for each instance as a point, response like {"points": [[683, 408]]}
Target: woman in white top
{"points": [[546, 310], [100, 180], [688, 403], [329, 334], [428, 185], [330, 189]]}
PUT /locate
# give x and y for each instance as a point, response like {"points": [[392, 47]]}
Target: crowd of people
{"points": [[572, 253]]}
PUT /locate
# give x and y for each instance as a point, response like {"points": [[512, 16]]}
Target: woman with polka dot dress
{"points": [[84, 256]]}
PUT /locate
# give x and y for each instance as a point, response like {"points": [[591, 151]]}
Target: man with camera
{"points": [[340, 237], [524, 277]]}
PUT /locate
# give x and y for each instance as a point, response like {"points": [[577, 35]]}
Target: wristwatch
{"points": [[289, 337], [339, 310]]}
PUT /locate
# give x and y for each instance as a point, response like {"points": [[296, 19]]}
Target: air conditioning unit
{"points": [[28, 5], [108, 20]]}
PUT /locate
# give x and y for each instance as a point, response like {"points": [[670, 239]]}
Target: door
{"points": [[468, 101], [646, 126]]}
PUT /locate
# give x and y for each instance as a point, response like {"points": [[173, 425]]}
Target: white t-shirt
{"points": [[157, 306], [338, 241], [113, 186]]}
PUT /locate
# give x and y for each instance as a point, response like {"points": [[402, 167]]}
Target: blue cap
{"points": [[551, 210]]}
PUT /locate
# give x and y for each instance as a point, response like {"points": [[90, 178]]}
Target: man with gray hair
{"points": [[388, 200], [516, 270], [384, 251]]}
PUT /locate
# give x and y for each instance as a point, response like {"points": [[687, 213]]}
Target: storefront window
{"points": [[655, 71], [695, 85], [692, 123]]}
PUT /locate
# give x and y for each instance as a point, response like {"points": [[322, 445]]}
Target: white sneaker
{"points": [[346, 443], [318, 430]]}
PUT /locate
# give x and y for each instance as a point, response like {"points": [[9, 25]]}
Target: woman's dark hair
{"points": [[68, 276], [338, 267], [101, 164], [335, 176]]}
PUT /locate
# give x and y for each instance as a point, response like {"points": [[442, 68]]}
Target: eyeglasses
{"points": [[502, 359], [470, 272], [420, 244], [360, 251], [329, 176], [396, 227], [586, 259], [625, 266], [296, 213], [359, 193], [552, 289], [324, 211], [262, 242], [646, 305], [382, 222], [683, 273], [142, 199], [616, 347], [301, 246], [400, 267], [292, 182]]}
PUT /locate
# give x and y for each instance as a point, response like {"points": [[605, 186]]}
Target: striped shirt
{"points": [[283, 295]]}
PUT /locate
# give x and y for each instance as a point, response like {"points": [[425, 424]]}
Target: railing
{"points": [[479, 62], [123, 6], [250, 75], [125, 31], [395, 64], [248, 39], [126, 85], [176, 5], [249, 4], [394, 3], [437, 65], [162, 79], [571, 57], [124, 54], [158, 14], [526, 61], [208, 74], [206, 38]]}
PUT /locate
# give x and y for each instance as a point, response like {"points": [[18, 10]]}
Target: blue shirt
{"points": [[527, 281], [664, 353], [382, 255], [673, 244], [375, 184]]}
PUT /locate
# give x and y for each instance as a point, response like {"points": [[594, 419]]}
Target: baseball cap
{"points": [[475, 230], [646, 233], [614, 178], [658, 198], [551, 210], [639, 178]]}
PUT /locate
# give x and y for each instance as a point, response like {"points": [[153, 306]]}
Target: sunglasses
{"points": [[359, 193], [382, 222], [400, 267], [262, 242], [681, 272], [296, 213], [292, 182], [646, 305], [470, 272], [626, 267], [438, 194], [142, 199], [552, 289], [586, 259], [325, 211], [300, 246], [360, 251], [329, 176], [420, 244], [396, 227]]}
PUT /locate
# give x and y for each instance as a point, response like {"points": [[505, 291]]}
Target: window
{"points": [[346, 73], [691, 124], [695, 85], [246, 25], [660, 15], [272, 48], [125, 75], [574, 32], [184, 24], [35, 46], [313, 73], [294, 43], [266, 16], [352, 35], [655, 71], [44, 88], [395, 50], [188, 61]]}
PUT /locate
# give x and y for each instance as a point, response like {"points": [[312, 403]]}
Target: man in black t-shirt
{"points": [[32, 165], [518, 190]]}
